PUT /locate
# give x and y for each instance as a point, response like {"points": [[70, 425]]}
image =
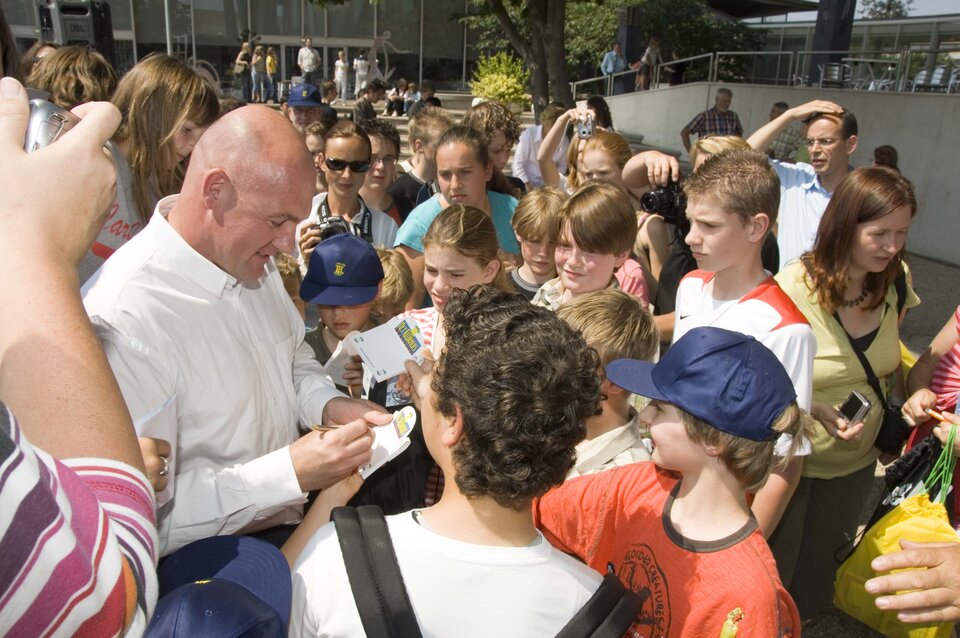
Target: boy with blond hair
{"points": [[596, 232], [678, 530], [615, 325], [732, 202], [424, 131], [536, 223], [396, 288], [292, 278]]}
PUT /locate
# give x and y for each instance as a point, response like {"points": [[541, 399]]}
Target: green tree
{"points": [[884, 9], [684, 25]]}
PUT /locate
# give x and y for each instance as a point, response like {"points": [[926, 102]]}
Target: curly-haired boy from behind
{"points": [[501, 414]]}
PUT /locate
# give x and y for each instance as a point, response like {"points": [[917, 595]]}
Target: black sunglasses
{"points": [[339, 164]]}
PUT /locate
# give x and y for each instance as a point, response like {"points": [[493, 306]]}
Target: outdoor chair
{"points": [[835, 75]]}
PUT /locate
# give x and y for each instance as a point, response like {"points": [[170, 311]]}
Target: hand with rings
{"points": [[156, 460]]}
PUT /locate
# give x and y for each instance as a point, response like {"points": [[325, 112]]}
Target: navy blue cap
{"points": [[223, 587], [344, 270], [214, 609], [724, 378], [304, 95]]}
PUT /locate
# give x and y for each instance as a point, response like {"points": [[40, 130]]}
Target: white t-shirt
{"points": [[456, 588], [765, 313]]}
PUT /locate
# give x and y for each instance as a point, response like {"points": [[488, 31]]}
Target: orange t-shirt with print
{"points": [[689, 588]]}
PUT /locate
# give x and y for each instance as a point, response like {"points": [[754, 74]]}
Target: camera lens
{"points": [[652, 202]]}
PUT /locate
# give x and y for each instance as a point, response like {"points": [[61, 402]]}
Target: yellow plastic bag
{"points": [[915, 519], [907, 359]]}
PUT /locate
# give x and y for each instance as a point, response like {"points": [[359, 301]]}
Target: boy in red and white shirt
{"points": [[732, 203]]}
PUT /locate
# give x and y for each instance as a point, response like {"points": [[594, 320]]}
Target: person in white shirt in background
{"points": [[308, 60], [525, 164], [209, 350]]}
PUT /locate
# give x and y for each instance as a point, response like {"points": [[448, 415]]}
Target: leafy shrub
{"points": [[501, 77]]}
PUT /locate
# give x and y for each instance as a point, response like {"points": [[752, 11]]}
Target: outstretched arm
{"points": [[548, 147], [55, 377], [764, 136]]}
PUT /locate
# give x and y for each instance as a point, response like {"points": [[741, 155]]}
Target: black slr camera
{"points": [[670, 203], [334, 226]]}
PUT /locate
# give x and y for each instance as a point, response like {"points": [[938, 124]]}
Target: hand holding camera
{"points": [[76, 165]]}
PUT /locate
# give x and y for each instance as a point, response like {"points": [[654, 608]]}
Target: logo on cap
{"points": [[303, 93], [338, 269]]}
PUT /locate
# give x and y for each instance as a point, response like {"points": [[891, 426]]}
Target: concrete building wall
{"points": [[924, 128]]}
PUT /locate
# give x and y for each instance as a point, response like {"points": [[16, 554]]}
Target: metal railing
{"points": [[692, 58], [883, 70]]}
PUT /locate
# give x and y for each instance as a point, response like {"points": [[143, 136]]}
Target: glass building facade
{"points": [[426, 39]]}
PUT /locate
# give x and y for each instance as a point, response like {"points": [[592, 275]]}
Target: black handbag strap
{"points": [[609, 613], [384, 606], [871, 376], [900, 285], [375, 578]]}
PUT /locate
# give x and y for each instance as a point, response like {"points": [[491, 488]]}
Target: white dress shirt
{"points": [[803, 200], [525, 164], [226, 362]]}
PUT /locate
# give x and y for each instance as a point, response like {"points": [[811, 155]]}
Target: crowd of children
{"points": [[723, 416], [616, 399]]}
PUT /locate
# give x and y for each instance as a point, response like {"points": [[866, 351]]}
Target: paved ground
{"points": [[938, 285]]}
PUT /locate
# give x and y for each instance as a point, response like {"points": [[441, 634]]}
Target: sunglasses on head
{"points": [[339, 164]]}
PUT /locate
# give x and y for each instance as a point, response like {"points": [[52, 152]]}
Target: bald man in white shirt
{"points": [[208, 348]]}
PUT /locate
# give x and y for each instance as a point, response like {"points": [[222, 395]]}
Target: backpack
{"points": [[384, 606]]}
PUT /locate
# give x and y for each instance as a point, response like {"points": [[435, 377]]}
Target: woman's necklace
{"points": [[853, 303]]}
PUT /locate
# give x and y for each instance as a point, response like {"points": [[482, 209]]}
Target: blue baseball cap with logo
{"points": [[344, 270], [724, 378], [304, 95], [223, 587]]}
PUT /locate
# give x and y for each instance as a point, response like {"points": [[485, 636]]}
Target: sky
{"points": [[918, 8]]}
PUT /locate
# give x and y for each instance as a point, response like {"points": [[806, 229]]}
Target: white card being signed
{"points": [[390, 440], [385, 348], [336, 365]]}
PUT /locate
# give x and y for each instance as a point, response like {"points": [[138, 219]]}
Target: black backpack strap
{"points": [[608, 614], [375, 578]]}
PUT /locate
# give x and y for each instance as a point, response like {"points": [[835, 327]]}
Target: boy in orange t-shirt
{"points": [[678, 530]]}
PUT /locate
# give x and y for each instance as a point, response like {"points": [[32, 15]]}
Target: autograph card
{"points": [[337, 363], [390, 440], [385, 348]]}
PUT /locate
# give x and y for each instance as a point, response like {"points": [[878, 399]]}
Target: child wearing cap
{"points": [[678, 531], [732, 202], [615, 325], [343, 280]]}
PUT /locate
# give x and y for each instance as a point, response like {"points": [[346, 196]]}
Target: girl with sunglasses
{"points": [[344, 162], [466, 175]]}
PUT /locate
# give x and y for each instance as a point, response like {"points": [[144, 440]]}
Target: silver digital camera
{"points": [[585, 127], [46, 124]]}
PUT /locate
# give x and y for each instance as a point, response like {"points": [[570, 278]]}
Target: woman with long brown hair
{"points": [[852, 288], [166, 106]]}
